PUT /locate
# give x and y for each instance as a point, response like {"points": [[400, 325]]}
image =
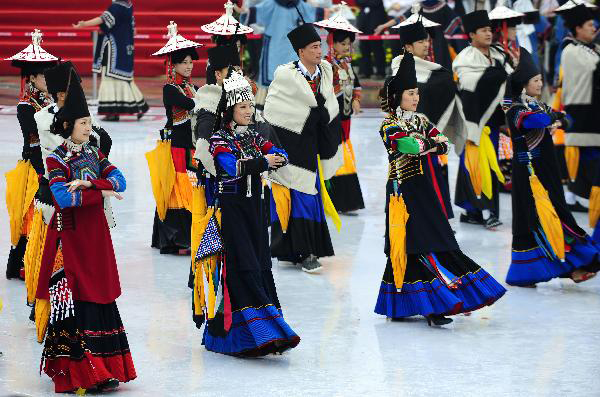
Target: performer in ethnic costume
{"points": [[426, 273], [248, 320], [547, 242], [344, 187], [86, 346], [113, 58], [302, 107], [482, 70], [22, 182], [504, 25], [57, 81], [226, 31], [434, 81], [580, 61], [172, 166]]}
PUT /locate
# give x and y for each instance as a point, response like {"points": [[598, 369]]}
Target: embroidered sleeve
{"points": [[218, 144], [108, 19], [524, 118], [228, 162], [110, 177], [59, 176], [264, 145]]}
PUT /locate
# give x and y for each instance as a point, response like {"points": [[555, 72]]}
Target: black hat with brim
{"points": [[33, 68], [303, 35], [221, 56], [57, 77], [475, 20], [577, 16], [75, 106], [413, 32]]}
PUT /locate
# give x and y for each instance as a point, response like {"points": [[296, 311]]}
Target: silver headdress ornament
{"points": [[171, 29], [237, 89]]}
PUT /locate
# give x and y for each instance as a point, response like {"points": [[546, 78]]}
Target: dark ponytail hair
{"points": [[58, 127]]}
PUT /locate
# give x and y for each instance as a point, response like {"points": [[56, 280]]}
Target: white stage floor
{"points": [[532, 342]]}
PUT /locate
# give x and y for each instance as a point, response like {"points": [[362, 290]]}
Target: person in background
{"points": [[113, 59], [541, 249], [344, 187], [309, 129], [580, 61], [482, 70], [372, 14], [32, 61]]}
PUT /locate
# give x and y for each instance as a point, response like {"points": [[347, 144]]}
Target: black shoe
{"points": [[437, 319], [111, 117], [140, 115], [576, 207], [473, 218], [109, 385], [492, 222]]}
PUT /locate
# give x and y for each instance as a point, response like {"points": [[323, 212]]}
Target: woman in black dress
{"points": [[173, 218], [244, 314], [537, 255], [426, 273]]}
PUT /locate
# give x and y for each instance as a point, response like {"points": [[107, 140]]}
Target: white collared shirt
{"points": [[307, 73]]}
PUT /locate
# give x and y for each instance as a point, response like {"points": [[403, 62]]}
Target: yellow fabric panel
{"points": [[283, 204], [209, 266], [443, 159], [181, 194], [349, 166], [199, 210], [452, 52], [558, 137], [34, 253], [42, 316], [488, 161], [398, 216], [162, 175], [572, 159], [472, 165], [328, 206], [548, 218], [557, 100], [594, 211], [21, 186]]}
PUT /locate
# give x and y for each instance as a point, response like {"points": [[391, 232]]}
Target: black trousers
{"points": [[372, 49]]}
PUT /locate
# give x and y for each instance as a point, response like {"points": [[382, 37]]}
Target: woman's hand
{"points": [[78, 184], [356, 106], [275, 160], [111, 193], [78, 25]]}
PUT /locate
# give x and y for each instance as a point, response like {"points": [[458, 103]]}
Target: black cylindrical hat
{"points": [[75, 106], [475, 20], [576, 16], [303, 35], [57, 77], [221, 56], [413, 32]]}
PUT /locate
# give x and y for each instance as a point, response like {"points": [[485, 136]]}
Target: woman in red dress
{"points": [[86, 346]]}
